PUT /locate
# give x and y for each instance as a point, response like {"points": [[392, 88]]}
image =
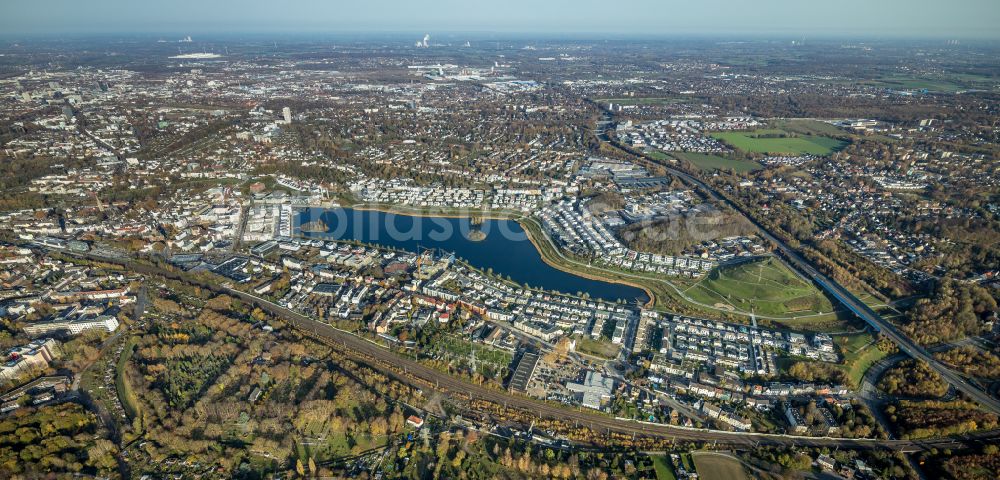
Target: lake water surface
{"points": [[506, 248]]}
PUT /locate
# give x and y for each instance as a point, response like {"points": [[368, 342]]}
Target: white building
{"points": [[21, 359], [74, 326]]}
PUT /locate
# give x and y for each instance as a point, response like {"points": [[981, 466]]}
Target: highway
{"points": [[421, 376], [842, 295]]}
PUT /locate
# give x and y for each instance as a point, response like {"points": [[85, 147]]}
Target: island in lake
{"points": [[476, 235], [314, 226]]}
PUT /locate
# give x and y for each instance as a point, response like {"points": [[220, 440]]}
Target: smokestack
{"points": [[427, 39]]}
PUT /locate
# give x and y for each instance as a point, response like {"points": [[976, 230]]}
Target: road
{"points": [[875, 400], [842, 295], [414, 373]]}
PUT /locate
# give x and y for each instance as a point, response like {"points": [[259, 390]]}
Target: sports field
{"points": [[772, 141], [714, 162], [765, 286], [717, 466]]}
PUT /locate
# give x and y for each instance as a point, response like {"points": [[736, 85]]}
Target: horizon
{"points": [[893, 19]]}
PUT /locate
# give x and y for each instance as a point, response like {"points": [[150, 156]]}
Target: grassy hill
{"points": [[765, 285]]}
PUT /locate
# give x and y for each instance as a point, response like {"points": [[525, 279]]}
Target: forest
{"points": [[56, 439], [971, 361], [912, 378], [953, 310], [931, 418]]}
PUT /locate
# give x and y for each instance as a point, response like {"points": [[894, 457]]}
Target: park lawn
{"points": [[801, 145], [765, 286], [714, 162], [663, 469], [860, 353], [714, 466]]}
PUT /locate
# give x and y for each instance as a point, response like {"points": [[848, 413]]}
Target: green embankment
{"points": [[125, 393], [714, 162]]}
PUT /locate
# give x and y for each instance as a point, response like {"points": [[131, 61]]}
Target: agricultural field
{"points": [[949, 83], [714, 162], [780, 142], [716, 466], [764, 286]]}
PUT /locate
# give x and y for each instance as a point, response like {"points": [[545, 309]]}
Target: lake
{"points": [[505, 249]]}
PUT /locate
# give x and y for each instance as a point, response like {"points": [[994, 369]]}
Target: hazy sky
{"points": [[869, 18]]}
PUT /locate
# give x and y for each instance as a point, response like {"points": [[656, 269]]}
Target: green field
{"points": [[860, 353], [807, 127], [765, 286], [931, 84], [657, 155], [663, 469], [788, 145], [641, 100], [714, 162], [716, 466]]}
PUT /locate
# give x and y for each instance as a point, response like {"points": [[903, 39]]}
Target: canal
{"points": [[505, 248]]}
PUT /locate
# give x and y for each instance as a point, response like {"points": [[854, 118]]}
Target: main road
{"points": [[845, 297], [414, 373]]}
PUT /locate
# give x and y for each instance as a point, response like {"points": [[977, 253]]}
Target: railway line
{"points": [[421, 376]]}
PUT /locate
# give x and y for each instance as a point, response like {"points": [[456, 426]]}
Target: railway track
{"points": [[421, 376]]}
